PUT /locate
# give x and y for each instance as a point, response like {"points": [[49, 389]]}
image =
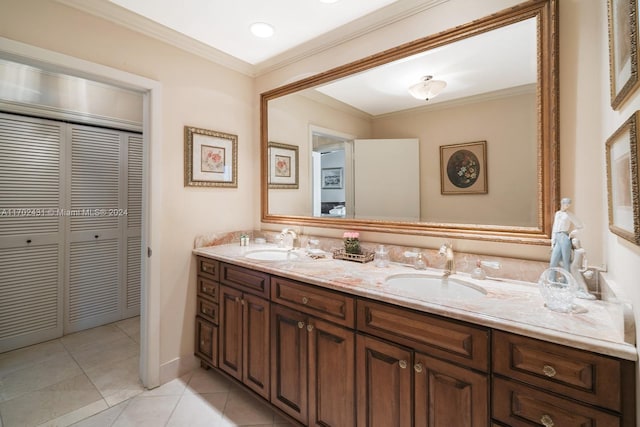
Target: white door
{"points": [[31, 230], [387, 179]]}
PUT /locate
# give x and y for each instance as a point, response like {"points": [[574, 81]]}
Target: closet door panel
{"points": [[133, 226], [94, 255], [31, 230]]}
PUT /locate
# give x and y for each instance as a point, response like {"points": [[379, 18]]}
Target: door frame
{"points": [[149, 367]]}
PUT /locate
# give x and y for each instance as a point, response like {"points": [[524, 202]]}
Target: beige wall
{"points": [[195, 92], [511, 158]]}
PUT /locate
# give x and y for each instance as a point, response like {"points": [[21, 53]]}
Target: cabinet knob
{"points": [[403, 364], [309, 328], [300, 325], [305, 300], [237, 299], [418, 367], [204, 311], [549, 371], [547, 421], [202, 343]]}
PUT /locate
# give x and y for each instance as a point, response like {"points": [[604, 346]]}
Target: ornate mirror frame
{"points": [[546, 14]]}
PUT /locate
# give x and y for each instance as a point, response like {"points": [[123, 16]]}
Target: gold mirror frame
{"points": [[546, 14]]}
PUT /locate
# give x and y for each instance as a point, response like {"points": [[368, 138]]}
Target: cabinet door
{"points": [[448, 395], [383, 381], [331, 375], [230, 348], [255, 344], [207, 341], [289, 362]]}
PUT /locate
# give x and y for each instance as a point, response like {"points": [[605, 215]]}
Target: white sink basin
{"points": [[272, 255], [430, 285]]}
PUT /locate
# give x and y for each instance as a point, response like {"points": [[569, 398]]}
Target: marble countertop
{"points": [[510, 306]]}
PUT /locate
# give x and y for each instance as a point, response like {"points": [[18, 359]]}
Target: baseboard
{"points": [[178, 367]]}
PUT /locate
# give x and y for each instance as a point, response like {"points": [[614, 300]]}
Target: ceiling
{"points": [[225, 24], [219, 30]]}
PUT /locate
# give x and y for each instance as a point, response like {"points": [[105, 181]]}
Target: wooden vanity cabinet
{"points": [[401, 378], [312, 360], [206, 339], [554, 385], [243, 350]]}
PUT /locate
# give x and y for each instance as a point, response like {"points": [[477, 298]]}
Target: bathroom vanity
{"points": [[328, 343]]}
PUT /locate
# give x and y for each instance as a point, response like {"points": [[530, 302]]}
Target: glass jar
{"points": [[381, 257]]}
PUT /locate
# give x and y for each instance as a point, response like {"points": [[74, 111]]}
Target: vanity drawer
{"points": [[209, 268], [208, 310], [575, 373], [518, 405], [208, 289], [254, 282], [450, 340], [206, 341], [332, 306]]}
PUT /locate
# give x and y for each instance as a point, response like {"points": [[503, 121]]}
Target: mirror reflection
{"points": [[476, 153]]}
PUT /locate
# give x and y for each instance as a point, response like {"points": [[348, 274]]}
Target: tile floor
{"points": [[90, 379]]}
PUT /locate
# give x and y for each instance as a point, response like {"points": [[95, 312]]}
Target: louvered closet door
{"points": [[94, 276], [131, 296], [31, 231]]}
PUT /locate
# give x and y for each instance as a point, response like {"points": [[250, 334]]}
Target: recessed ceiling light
{"points": [[262, 29], [328, 1]]}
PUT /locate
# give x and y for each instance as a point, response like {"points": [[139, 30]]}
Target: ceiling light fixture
{"points": [[328, 1], [427, 88], [262, 29]]}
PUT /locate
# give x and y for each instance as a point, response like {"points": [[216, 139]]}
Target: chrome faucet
{"points": [[446, 250], [295, 242]]}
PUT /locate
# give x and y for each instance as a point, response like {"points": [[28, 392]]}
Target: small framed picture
{"points": [[622, 181], [463, 168], [332, 178], [623, 49], [211, 158], [283, 166]]}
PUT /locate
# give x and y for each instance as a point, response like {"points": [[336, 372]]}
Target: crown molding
{"points": [[132, 21], [380, 18], [373, 21]]}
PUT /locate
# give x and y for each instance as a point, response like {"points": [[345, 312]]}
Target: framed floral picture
{"points": [[283, 166], [622, 181], [210, 159], [463, 168], [623, 49]]}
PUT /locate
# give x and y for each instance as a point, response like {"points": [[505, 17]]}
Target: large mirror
{"points": [[479, 160]]}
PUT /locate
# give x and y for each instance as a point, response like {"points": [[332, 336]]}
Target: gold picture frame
{"points": [[623, 180], [210, 158], [463, 168], [623, 49], [283, 166]]}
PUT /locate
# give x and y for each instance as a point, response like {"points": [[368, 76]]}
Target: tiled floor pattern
{"points": [[90, 379]]}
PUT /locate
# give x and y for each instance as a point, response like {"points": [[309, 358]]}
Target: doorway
{"points": [[151, 208]]}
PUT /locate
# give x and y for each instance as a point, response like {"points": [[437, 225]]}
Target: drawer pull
{"points": [[205, 289], [305, 300], [300, 325], [547, 421], [403, 364], [202, 343], [309, 328], [204, 311], [418, 367], [549, 371]]}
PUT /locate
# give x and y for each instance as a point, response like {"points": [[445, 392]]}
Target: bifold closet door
{"points": [[31, 230], [104, 245]]}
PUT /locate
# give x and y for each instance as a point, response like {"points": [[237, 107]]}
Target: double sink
{"points": [[418, 284]]}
